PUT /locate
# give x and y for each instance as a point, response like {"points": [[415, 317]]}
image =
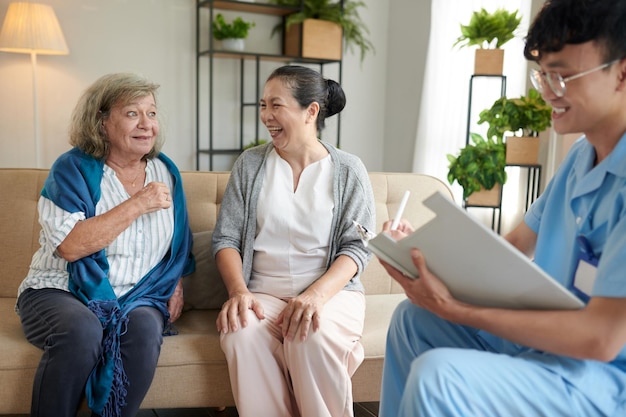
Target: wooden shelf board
{"points": [[250, 7], [265, 57]]}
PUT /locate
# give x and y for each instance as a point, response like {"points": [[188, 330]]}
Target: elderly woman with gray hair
{"points": [[115, 242]]}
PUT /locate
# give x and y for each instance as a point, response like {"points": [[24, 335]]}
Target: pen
{"points": [[396, 219]]}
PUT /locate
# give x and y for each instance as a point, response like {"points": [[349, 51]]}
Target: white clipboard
{"points": [[477, 265]]}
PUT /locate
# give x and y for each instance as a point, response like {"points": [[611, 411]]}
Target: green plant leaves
{"points": [[529, 114], [489, 30], [480, 164], [237, 29]]}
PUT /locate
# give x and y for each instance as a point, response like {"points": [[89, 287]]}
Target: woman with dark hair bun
{"points": [[308, 86], [291, 258]]}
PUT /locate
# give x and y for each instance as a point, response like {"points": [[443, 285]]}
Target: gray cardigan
{"points": [[353, 200]]}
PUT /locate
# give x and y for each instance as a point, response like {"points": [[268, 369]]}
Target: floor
{"points": [[360, 410]]}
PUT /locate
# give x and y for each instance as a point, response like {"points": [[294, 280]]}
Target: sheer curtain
{"points": [[443, 118]]}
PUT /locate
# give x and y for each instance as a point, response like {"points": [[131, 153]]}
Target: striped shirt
{"points": [[132, 254]]}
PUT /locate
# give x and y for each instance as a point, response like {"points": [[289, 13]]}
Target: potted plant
{"points": [[231, 34], [489, 32], [479, 167], [317, 30], [524, 118]]}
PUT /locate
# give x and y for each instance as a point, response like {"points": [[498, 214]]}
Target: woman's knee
{"points": [[145, 326], [77, 324], [242, 339], [252, 335], [79, 338], [321, 346], [85, 326], [52, 317]]}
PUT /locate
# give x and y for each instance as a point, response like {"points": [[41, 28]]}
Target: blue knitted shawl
{"points": [[74, 185]]}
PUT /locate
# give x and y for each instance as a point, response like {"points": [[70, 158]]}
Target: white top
{"points": [[131, 255], [293, 228]]}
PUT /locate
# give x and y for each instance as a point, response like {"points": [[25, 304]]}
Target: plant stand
{"points": [[217, 151], [488, 199], [473, 79], [533, 178], [533, 182], [475, 200]]}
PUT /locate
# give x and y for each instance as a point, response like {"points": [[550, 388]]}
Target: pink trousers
{"points": [[271, 376]]}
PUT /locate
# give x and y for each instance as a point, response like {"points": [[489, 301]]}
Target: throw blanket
{"points": [[74, 185]]}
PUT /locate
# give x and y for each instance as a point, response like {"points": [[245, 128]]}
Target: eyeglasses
{"points": [[556, 83]]}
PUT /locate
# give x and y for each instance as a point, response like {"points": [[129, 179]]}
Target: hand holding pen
{"points": [[401, 207], [398, 228]]}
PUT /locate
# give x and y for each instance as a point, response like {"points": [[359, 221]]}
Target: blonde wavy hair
{"points": [[86, 131]]}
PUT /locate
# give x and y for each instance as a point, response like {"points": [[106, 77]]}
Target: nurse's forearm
{"points": [[597, 331]]}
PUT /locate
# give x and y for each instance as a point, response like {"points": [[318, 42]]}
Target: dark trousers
{"points": [[70, 336]]}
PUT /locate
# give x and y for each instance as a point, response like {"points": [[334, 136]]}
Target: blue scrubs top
{"points": [[590, 201]]}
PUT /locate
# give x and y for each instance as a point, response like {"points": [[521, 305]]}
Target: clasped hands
{"points": [[300, 316]]}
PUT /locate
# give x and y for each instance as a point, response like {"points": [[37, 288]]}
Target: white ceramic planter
{"points": [[233, 44]]}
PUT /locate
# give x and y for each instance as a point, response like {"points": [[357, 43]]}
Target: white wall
{"points": [[157, 38], [152, 37], [409, 30]]}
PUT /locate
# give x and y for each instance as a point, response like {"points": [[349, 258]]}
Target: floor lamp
{"points": [[32, 28]]}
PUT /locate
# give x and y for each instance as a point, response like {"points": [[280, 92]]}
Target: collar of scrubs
{"points": [[591, 177]]}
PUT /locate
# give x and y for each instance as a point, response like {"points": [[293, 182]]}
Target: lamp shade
{"points": [[32, 27]]}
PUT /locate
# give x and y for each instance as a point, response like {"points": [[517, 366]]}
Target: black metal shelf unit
{"points": [[533, 176], [471, 94], [205, 140], [496, 215]]}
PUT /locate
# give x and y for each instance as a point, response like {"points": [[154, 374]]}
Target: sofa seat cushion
{"points": [[17, 353], [378, 311], [196, 343], [197, 340], [196, 329], [187, 358]]}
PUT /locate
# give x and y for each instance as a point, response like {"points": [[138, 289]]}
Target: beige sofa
{"points": [[192, 371]]}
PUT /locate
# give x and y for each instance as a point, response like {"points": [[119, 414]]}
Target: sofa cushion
{"points": [[378, 311], [17, 353], [204, 288], [20, 189]]}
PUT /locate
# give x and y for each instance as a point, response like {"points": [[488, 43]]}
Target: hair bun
{"points": [[335, 99]]}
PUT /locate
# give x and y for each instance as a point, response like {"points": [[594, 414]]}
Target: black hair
{"points": [[310, 86], [561, 22]]}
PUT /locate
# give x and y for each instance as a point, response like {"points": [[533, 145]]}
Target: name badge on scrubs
{"points": [[585, 275]]}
